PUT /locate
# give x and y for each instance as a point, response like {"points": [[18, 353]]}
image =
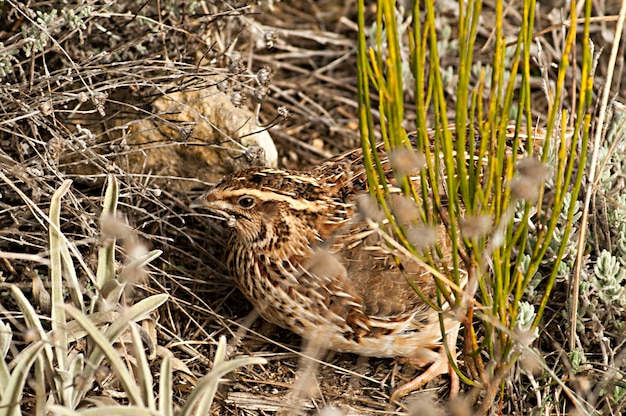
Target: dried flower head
{"points": [[81, 382], [459, 406], [331, 411], [186, 130], [426, 404], [30, 335], [46, 108], [134, 271]]}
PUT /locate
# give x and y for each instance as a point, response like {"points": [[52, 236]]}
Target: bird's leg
{"points": [[439, 366]]}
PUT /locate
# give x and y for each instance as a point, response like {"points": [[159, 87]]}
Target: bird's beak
{"points": [[203, 201], [197, 203], [212, 201]]}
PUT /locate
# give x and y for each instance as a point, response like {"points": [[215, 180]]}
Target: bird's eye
{"points": [[246, 201]]}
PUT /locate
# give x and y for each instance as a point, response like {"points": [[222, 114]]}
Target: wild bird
{"points": [[310, 260]]}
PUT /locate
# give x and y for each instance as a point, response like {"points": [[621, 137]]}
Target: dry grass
{"points": [[67, 111]]}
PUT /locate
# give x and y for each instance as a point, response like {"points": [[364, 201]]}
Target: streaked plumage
{"points": [[308, 261]]}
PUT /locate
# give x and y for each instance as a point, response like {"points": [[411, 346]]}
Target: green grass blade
{"points": [[137, 312], [106, 254], [33, 323], [11, 396], [206, 388], [6, 335], [103, 410], [166, 381], [143, 369], [105, 345], [58, 246]]}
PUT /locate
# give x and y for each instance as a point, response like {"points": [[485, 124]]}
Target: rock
{"points": [[196, 134]]}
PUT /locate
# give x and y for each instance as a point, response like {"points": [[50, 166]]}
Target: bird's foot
{"points": [[440, 366]]}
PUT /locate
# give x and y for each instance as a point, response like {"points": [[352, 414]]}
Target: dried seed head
{"points": [[55, 147], [236, 86], [223, 86], [81, 382], [236, 64], [283, 111], [254, 154], [531, 364], [533, 169], [185, 131], [322, 263], [497, 238], [459, 406], [581, 384], [113, 227], [30, 336], [261, 92], [367, 207], [99, 99], [264, 75], [475, 226], [331, 411], [269, 38], [405, 209], [101, 374], [406, 161], [236, 99], [134, 272], [426, 404], [46, 108], [525, 188], [422, 236]]}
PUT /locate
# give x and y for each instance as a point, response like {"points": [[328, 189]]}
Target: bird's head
{"points": [[265, 206]]}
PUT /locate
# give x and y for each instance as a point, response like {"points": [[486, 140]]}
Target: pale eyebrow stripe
{"points": [[294, 177], [298, 204]]}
